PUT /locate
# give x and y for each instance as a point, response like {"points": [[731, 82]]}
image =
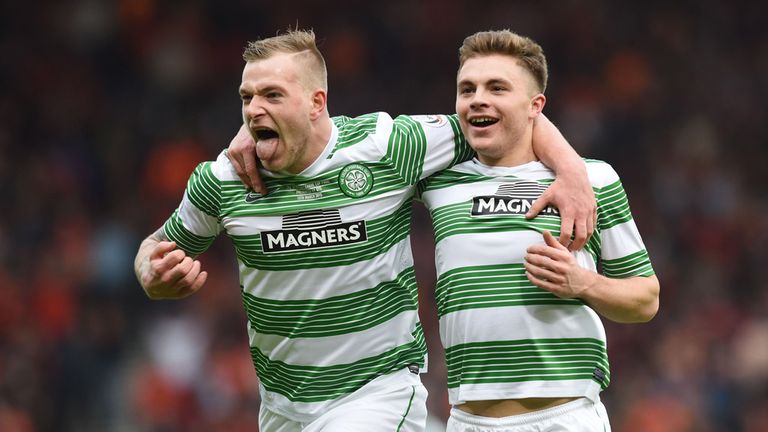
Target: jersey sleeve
{"points": [[422, 145], [622, 252], [196, 223]]}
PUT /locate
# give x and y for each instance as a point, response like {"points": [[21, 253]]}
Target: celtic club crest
{"points": [[356, 180]]}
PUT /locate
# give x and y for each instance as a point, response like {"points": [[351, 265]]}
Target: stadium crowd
{"points": [[106, 107]]}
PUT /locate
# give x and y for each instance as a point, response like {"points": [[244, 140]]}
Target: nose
{"points": [[253, 110], [478, 99]]}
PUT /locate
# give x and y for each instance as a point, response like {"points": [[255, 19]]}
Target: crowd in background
{"points": [[106, 107]]}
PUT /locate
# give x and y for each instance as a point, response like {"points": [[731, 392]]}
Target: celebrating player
{"points": [[326, 269], [525, 347]]}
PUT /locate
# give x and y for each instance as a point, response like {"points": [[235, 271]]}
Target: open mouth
{"points": [[266, 142], [263, 134], [482, 122]]}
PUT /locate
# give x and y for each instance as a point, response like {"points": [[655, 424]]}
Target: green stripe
{"points": [[186, 240], [527, 360], [491, 286], [353, 131], [339, 121], [634, 264], [383, 234], [288, 195], [407, 148], [612, 206], [333, 316], [448, 178], [462, 151], [322, 383], [594, 245], [204, 189]]}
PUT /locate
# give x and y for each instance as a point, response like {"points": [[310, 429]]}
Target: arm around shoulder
{"points": [[571, 192], [551, 147]]}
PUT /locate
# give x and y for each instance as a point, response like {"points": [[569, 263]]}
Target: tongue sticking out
{"points": [[266, 143], [265, 148]]}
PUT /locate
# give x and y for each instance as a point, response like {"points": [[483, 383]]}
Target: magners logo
{"points": [[313, 230], [511, 199]]}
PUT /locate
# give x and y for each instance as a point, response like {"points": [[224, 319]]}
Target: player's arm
{"points": [[552, 267], [242, 155], [166, 272], [571, 192]]}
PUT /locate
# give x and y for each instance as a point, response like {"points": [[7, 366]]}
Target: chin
{"points": [[271, 166], [481, 146]]}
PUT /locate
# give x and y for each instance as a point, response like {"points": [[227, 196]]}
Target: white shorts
{"points": [[399, 406], [580, 415]]}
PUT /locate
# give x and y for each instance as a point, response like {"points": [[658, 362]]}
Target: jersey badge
{"points": [[356, 180]]}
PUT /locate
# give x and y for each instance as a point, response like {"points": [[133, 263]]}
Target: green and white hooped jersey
{"points": [[504, 337], [326, 269]]}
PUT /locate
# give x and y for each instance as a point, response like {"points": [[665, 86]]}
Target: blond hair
{"points": [[528, 53], [293, 41]]}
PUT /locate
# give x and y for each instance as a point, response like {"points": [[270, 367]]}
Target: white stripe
{"points": [[197, 221], [520, 322], [460, 192], [341, 349], [601, 174], [464, 250], [319, 283], [621, 240]]}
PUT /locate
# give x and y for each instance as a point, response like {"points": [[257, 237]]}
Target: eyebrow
{"points": [[246, 90], [499, 81], [270, 88], [491, 81]]}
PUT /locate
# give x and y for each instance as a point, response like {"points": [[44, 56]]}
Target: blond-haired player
{"points": [[525, 347]]}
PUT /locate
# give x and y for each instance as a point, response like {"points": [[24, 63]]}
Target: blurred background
{"points": [[107, 106]]}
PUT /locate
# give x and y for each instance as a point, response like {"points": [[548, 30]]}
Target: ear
{"points": [[537, 105], [319, 100]]}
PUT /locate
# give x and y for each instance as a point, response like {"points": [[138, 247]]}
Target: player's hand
{"points": [[169, 273], [552, 267], [242, 155], [576, 202]]}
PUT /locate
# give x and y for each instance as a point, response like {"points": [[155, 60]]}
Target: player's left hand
{"points": [[576, 202], [552, 267]]}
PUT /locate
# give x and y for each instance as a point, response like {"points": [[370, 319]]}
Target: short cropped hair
{"points": [[528, 53], [300, 42]]}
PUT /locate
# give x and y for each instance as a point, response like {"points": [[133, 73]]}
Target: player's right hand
{"points": [[242, 155], [170, 274]]}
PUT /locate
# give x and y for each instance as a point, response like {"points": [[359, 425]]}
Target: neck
{"points": [[318, 138]]}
